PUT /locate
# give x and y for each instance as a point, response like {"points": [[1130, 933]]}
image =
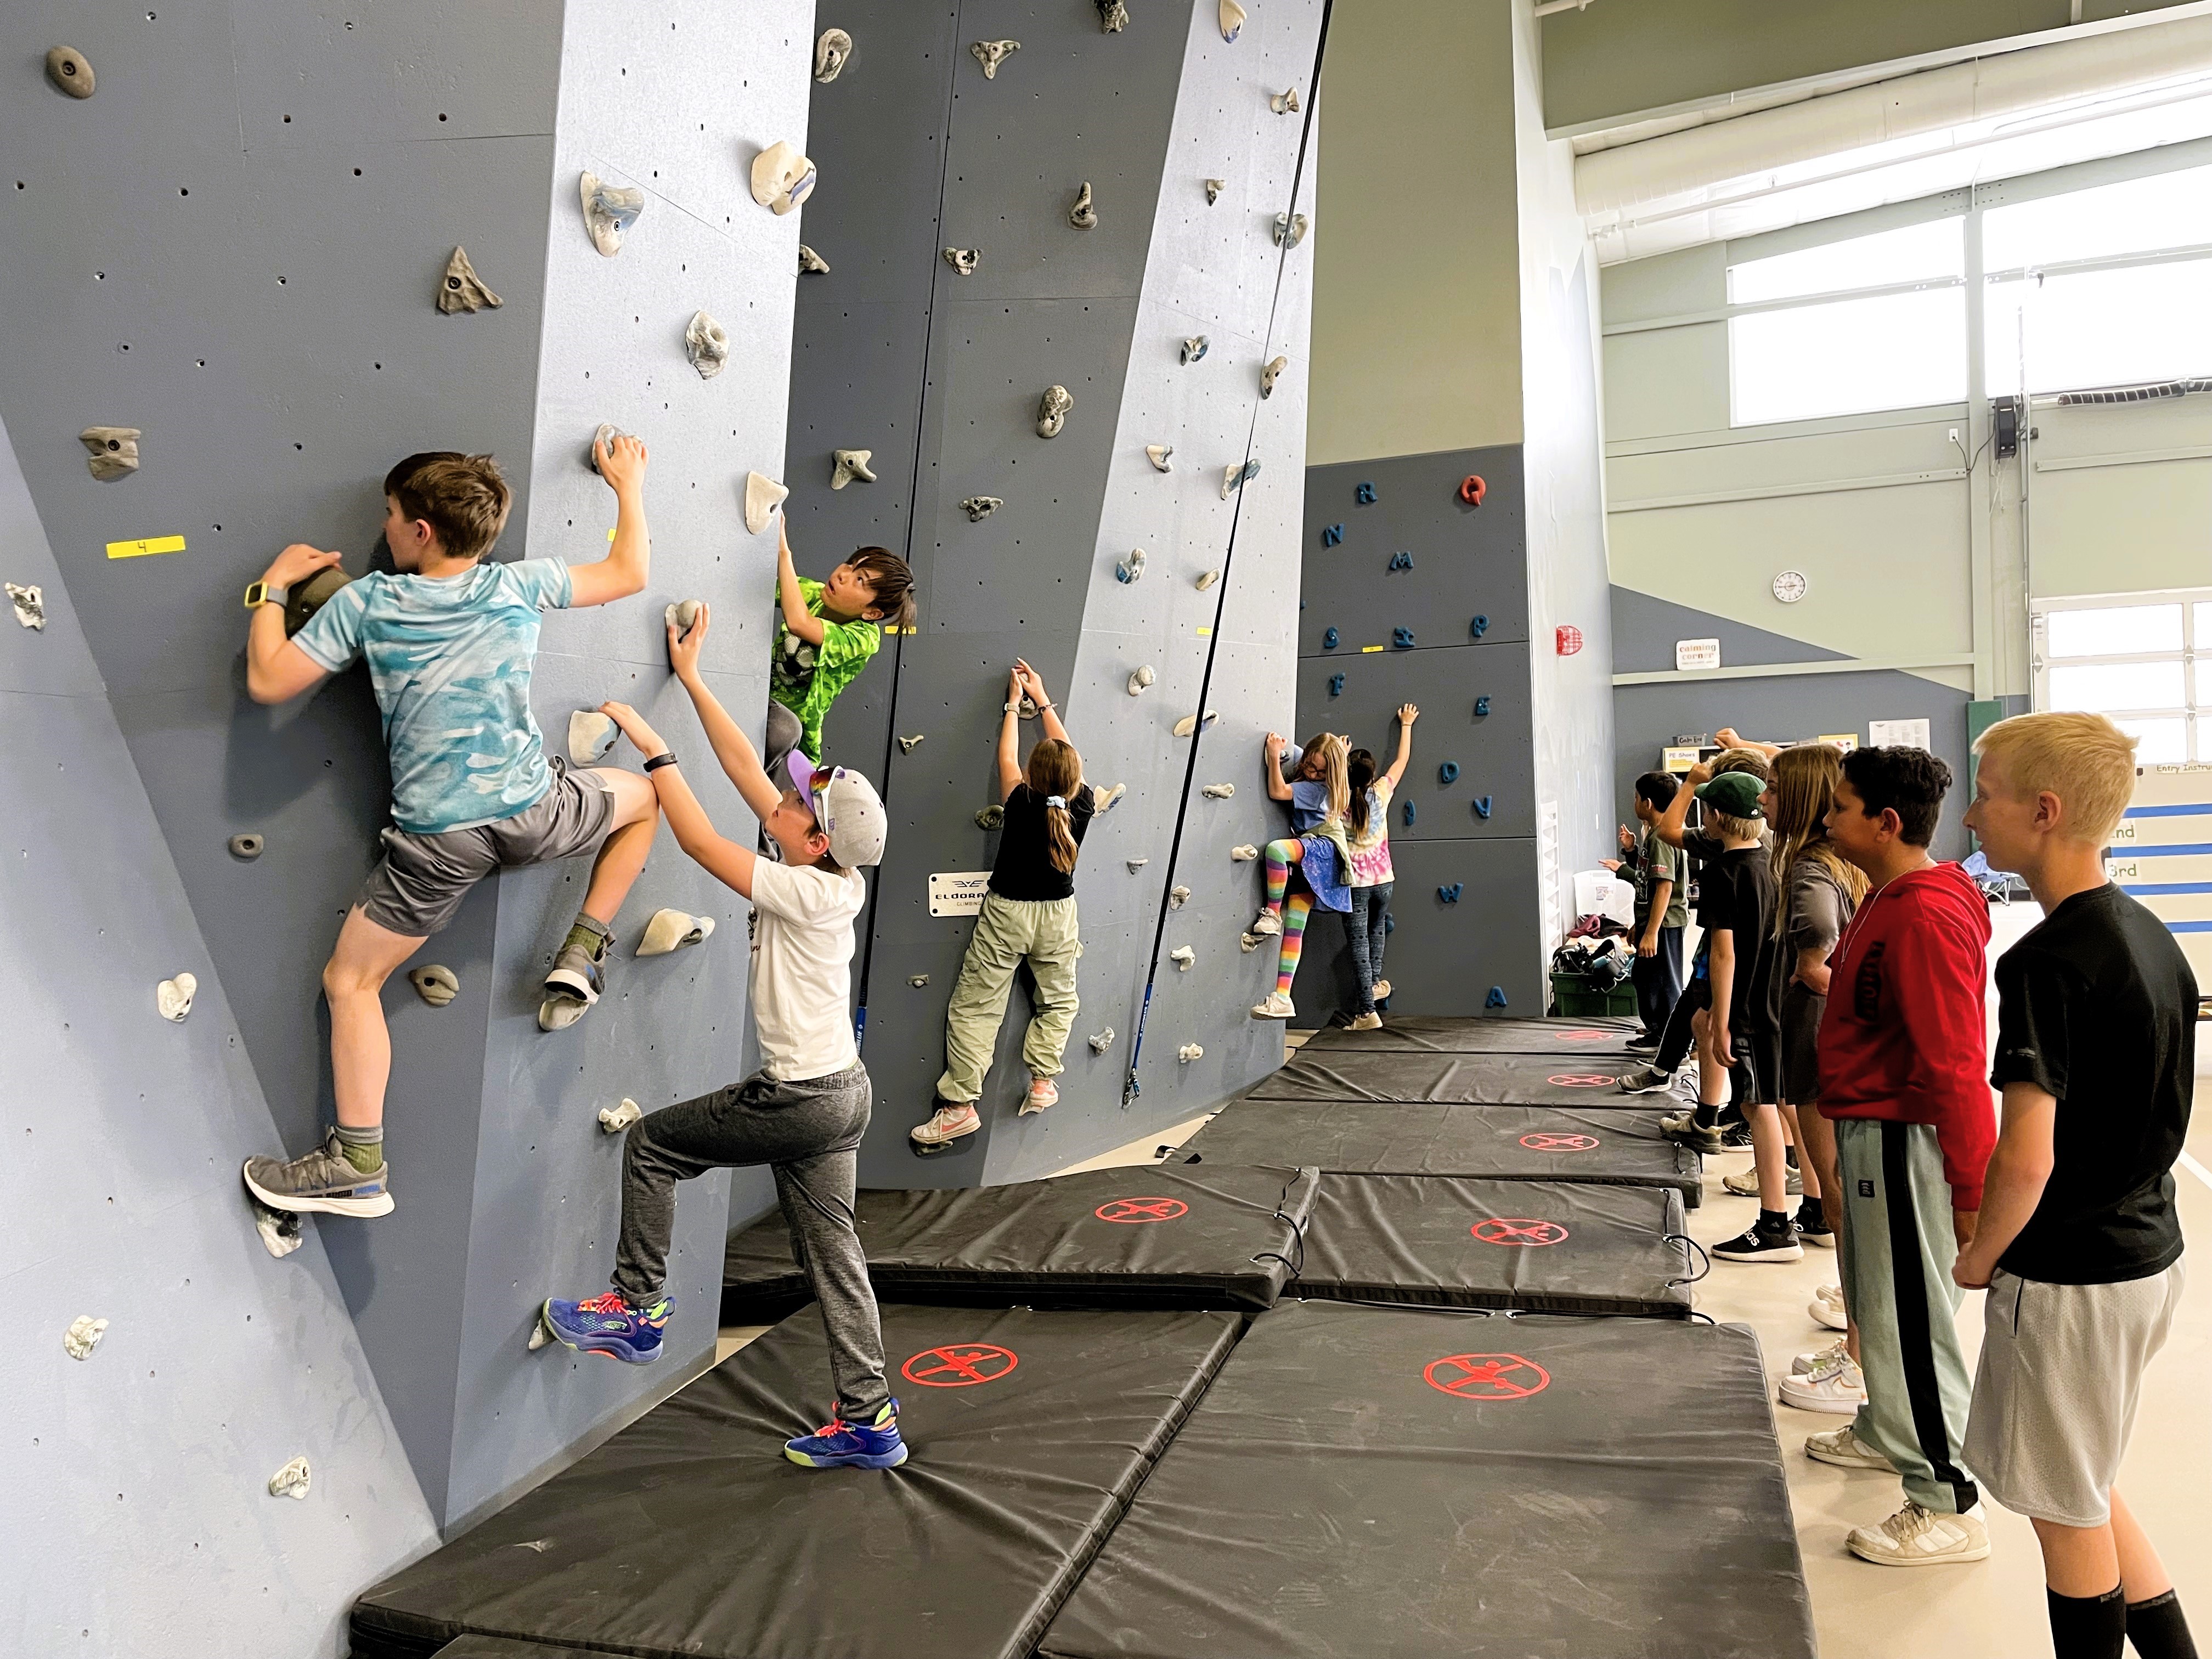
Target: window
{"points": [[2136, 660]]}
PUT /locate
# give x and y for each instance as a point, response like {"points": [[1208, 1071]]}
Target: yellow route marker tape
{"points": [[139, 550], [1364, 649]]}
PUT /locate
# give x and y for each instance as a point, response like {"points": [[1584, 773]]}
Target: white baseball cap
{"points": [[847, 807]]}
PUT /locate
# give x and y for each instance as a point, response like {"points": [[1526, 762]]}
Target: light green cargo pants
{"points": [[1007, 930]]}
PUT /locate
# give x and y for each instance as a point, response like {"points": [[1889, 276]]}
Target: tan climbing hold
{"points": [[1207, 580], [991, 53], [1158, 455], [671, 930], [681, 615], [1188, 1052], [1184, 957], [1245, 854], [608, 210], [979, 507], [963, 259], [706, 343], [1213, 189], [1101, 1041], [591, 734], [1249, 943], [462, 289], [67, 69], [1271, 372], [1218, 791], [811, 263], [782, 179], [831, 53], [908, 746], [1102, 800], [435, 983], [763, 494], [292, 1480], [1052, 411], [1142, 680], [83, 1336], [1290, 229], [1112, 17], [1188, 723], [1233, 20], [1083, 216], [615, 1119], [846, 464], [1285, 102], [173, 997], [1177, 897], [114, 450], [30, 604]]}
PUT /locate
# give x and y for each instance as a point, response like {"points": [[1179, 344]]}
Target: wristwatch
{"points": [[261, 594]]}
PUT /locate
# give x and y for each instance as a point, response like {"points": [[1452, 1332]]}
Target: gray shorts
{"points": [[2055, 1397], [420, 880]]}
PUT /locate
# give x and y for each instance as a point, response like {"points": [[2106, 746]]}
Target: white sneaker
{"points": [[1839, 1388], [1043, 1092], [1746, 1185], [1827, 1312], [1369, 1021], [1381, 989], [1267, 922], [1839, 1349], [1846, 1450], [1915, 1537], [946, 1125], [1276, 1006]]}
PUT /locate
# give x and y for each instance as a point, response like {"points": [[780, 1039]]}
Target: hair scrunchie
{"points": [[1060, 801]]}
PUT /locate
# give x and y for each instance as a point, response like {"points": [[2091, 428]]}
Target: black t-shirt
{"points": [[1022, 869], [1737, 892], [2098, 1008]]}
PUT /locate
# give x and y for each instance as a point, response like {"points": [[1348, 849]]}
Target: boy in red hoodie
{"points": [[1901, 1049]]}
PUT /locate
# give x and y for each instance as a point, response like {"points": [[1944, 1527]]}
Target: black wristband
{"points": [[667, 758]]}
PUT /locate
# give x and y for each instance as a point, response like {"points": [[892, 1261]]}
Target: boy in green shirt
{"points": [[1660, 911], [825, 636]]}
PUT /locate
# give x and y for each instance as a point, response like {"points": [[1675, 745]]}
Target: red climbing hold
{"points": [[1471, 489], [1568, 639]]}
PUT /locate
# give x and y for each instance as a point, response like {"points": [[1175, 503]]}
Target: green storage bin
{"points": [[1573, 999]]}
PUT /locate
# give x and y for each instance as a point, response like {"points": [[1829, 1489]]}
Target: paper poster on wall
{"points": [[958, 893], [1679, 759], [1846, 741], [1904, 734], [1694, 655], [1549, 880]]}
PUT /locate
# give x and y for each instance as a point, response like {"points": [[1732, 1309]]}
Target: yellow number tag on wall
{"points": [[139, 550]]}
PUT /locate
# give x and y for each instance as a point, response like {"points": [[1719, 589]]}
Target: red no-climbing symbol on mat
{"points": [[1584, 1036], [1486, 1376], [1545, 1142], [1141, 1209], [1517, 1230], [959, 1365], [1581, 1081]]}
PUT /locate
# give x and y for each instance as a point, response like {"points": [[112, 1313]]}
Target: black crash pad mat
{"points": [[1501, 1143], [1127, 1237], [502, 1647], [1531, 1246], [1572, 1080], [690, 1533], [1435, 1034], [1401, 1483]]}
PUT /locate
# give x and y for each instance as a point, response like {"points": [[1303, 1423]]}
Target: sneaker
{"points": [[1674, 1122], [1267, 922], [1369, 1021], [1840, 1386], [1697, 1138], [838, 1445], [1757, 1244], [1827, 1312], [1746, 1185], [1916, 1537], [1276, 1006], [1846, 1450], [321, 1183], [1736, 1137], [946, 1125], [1647, 1080], [1043, 1092], [576, 983], [1642, 1040], [609, 1325], [1839, 1349], [1382, 990], [1816, 1230]]}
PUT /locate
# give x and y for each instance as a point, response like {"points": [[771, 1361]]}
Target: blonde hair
{"points": [[1055, 770], [1328, 752], [1733, 828], [1804, 785], [1752, 760], [2085, 760]]}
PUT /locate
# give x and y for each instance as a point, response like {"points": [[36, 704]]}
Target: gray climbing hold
{"points": [[83, 1336], [613, 1120], [1136, 864], [1235, 474], [1052, 411], [281, 1231], [311, 596], [908, 746], [1188, 723], [1177, 897], [435, 983], [173, 997], [1207, 580], [963, 259], [462, 289], [247, 846], [1195, 348], [671, 930], [782, 179], [1130, 569], [1102, 802], [811, 263], [1285, 102], [602, 437], [1188, 1052], [1141, 680], [1101, 1041], [30, 604], [706, 343], [67, 69], [830, 52], [1269, 375], [763, 494], [1213, 189], [1232, 21], [1183, 957], [846, 464], [1083, 216], [291, 1480], [1249, 943], [1158, 455], [978, 507], [918, 981], [681, 615], [591, 734], [1112, 17], [608, 210], [1290, 229], [990, 817], [1218, 791], [114, 450], [1245, 854], [991, 53]]}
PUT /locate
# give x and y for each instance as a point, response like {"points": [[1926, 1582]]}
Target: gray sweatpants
{"points": [[807, 1132]]}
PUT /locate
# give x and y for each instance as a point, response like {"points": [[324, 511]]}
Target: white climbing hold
{"points": [[1249, 943], [1195, 348], [1271, 373], [1130, 569], [1177, 897], [917, 981], [282, 1232], [979, 507], [1218, 791], [1233, 475], [462, 289], [991, 53], [1101, 1041], [602, 437], [291, 1480], [1188, 723], [173, 997], [782, 179], [830, 52], [706, 343], [1158, 455], [30, 604], [1188, 1052], [846, 464], [1102, 801], [671, 930], [1083, 216], [615, 1119], [1139, 681], [591, 734], [1245, 854], [811, 263], [608, 210], [763, 494], [908, 746], [1112, 17], [1233, 20], [683, 614], [435, 983], [114, 450], [247, 846], [1207, 580], [83, 1336], [1285, 102], [1026, 708], [1184, 957], [1136, 864], [1052, 411], [963, 259], [1213, 189], [539, 1336], [1290, 229]]}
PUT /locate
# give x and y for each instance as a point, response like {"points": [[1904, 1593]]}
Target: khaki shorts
{"points": [[2055, 1397], [420, 880]]}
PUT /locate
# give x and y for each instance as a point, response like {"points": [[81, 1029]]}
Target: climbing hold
{"points": [[1083, 216], [991, 53], [1482, 807], [1448, 773], [1249, 943], [1285, 102], [30, 604], [1052, 411], [846, 464], [1245, 854], [1389, 922], [1177, 897], [602, 437], [1402, 638], [291, 1480], [114, 450], [1101, 1041], [311, 596], [1157, 455], [1218, 791], [1234, 475], [908, 746], [963, 259], [67, 69], [1481, 706], [1496, 999], [671, 930], [83, 1336], [706, 343], [990, 817], [435, 983], [539, 1336], [782, 179], [1026, 708], [462, 289], [1331, 534], [1207, 579], [1141, 680], [1188, 1052], [173, 997], [1213, 189], [830, 52], [1477, 626], [681, 615], [1567, 639], [1183, 957], [917, 981], [980, 506], [247, 846], [1112, 17], [1290, 229], [1450, 895], [1364, 494], [613, 1120], [1270, 372], [1233, 20], [1130, 569], [1402, 561], [1336, 686], [1195, 348], [591, 734], [1471, 489], [763, 494], [1409, 814], [1103, 802], [608, 210], [1136, 864], [1188, 723], [281, 1231], [811, 263]]}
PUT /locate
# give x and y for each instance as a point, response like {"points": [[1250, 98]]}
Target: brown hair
{"points": [[1360, 774], [890, 580], [1326, 751], [1054, 772], [1804, 784], [464, 498]]}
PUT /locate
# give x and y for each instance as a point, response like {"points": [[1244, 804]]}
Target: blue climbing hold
{"points": [[1402, 638], [1389, 922], [1331, 534], [1336, 686], [1409, 815], [1450, 895], [1448, 773], [1496, 999], [1479, 626], [1402, 561], [1365, 496], [1482, 705], [1482, 807], [1328, 640]]}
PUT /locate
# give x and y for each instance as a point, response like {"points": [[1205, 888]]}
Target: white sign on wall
{"points": [[1690, 655], [959, 893], [1904, 734]]}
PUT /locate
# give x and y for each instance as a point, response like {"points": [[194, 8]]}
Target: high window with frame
{"points": [[2144, 658]]}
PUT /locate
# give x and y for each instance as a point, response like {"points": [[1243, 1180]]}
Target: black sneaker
{"points": [[1642, 1040], [1735, 1137], [1757, 1244], [1814, 1226]]}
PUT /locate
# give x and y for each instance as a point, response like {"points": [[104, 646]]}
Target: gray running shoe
{"points": [[321, 1183], [575, 981], [1707, 1141], [1647, 1080], [1747, 1184]]}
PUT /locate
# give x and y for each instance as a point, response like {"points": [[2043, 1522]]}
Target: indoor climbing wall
{"points": [[1191, 150], [238, 246]]}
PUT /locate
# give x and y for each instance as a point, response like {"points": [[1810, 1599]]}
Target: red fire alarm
{"points": [[1570, 639], [1471, 489]]}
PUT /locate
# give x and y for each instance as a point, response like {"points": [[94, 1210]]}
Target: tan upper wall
{"points": [[1416, 304]]}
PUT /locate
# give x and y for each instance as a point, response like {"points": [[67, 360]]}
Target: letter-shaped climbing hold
{"points": [[613, 1120], [1477, 626], [1481, 706], [1482, 807], [1402, 561], [1496, 999], [1409, 815], [1328, 639], [1364, 494], [1183, 957], [1448, 773], [1336, 686], [1567, 639], [1331, 534], [1471, 489], [435, 983], [1450, 895], [1402, 638]]}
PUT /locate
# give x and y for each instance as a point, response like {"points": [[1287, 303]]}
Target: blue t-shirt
{"points": [[450, 658], [1308, 806]]}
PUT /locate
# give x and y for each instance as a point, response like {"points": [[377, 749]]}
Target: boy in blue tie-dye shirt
{"points": [[450, 640]]}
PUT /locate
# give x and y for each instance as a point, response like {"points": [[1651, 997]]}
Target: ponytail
{"points": [[1358, 776], [1054, 774]]}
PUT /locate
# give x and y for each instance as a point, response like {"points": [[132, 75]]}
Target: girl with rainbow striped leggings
{"points": [[1317, 792]]}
